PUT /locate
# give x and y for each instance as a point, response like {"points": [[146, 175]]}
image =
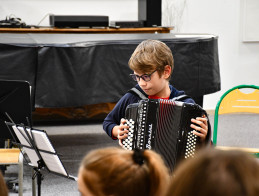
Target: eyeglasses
{"points": [[145, 77]]}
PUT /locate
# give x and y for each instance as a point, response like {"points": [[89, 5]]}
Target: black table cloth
{"points": [[72, 70]]}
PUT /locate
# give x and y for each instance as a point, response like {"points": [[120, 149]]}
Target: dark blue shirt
{"points": [[118, 112]]}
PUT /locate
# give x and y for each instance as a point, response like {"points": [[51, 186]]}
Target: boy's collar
{"points": [[156, 97]]}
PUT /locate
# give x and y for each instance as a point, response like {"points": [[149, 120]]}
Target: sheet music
{"points": [[32, 156], [39, 138], [23, 138], [21, 135], [42, 142], [53, 163]]}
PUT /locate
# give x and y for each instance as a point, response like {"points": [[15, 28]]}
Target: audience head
{"points": [[216, 173], [151, 55], [116, 171], [3, 187]]}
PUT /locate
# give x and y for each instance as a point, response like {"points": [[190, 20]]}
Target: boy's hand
{"points": [[121, 131], [201, 127]]}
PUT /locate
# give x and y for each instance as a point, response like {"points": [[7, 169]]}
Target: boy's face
{"points": [[157, 86]]}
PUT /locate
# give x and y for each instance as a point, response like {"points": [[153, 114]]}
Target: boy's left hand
{"points": [[201, 127]]}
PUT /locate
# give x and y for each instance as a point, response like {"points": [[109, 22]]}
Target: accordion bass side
{"points": [[163, 126]]}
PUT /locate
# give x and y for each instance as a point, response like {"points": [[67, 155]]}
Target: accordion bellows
{"points": [[163, 126]]}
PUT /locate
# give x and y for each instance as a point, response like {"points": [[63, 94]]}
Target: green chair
{"points": [[235, 101]]}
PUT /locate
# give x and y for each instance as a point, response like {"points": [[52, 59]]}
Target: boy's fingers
{"points": [[122, 133], [123, 121], [203, 119], [202, 136], [197, 128], [120, 143], [198, 122], [120, 137]]}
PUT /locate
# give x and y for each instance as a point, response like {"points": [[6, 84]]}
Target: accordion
{"points": [[163, 126]]}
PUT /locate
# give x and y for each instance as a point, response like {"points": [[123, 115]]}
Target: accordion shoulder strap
{"points": [[138, 92], [143, 96], [181, 98]]}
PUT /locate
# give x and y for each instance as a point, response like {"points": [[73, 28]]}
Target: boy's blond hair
{"points": [[151, 55]]}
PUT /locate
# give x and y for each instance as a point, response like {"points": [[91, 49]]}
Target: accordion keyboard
{"points": [[191, 145], [128, 142]]}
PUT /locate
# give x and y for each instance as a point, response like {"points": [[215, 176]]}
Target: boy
{"points": [[152, 63]]}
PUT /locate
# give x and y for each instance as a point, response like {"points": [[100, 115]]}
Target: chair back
{"points": [[235, 100]]}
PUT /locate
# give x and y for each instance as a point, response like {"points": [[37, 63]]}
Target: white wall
{"points": [[239, 61], [33, 11]]}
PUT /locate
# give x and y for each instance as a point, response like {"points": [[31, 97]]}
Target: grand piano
{"points": [[74, 71]]}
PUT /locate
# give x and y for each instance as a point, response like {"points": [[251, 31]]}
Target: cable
{"points": [[44, 18]]}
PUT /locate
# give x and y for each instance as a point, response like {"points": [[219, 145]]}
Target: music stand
{"points": [[15, 100], [40, 151]]}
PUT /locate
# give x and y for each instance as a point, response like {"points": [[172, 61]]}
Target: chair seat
{"points": [[251, 150], [254, 151]]}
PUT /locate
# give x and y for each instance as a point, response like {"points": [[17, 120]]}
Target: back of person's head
{"points": [[3, 187], [116, 172], [151, 55], [217, 173]]}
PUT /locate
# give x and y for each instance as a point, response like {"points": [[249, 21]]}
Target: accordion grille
{"points": [[166, 139]]}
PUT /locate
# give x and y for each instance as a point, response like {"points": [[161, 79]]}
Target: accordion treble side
{"points": [[163, 126]]}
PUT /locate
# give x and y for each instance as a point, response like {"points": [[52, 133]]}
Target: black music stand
{"points": [[15, 101], [39, 149]]}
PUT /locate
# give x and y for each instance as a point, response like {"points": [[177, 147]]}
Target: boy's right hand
{"points": [[121, 131]]}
